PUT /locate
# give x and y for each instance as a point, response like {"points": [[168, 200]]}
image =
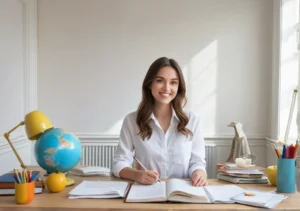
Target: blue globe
{"points": [[56, 150]]}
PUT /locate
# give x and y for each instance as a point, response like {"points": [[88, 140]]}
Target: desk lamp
{"points": [[35, 124]]}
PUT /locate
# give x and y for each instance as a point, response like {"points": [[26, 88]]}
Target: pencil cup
{"points": [[24, 192], [285, 175]]}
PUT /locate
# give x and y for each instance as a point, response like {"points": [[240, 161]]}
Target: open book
{"points": [[178, 190]]}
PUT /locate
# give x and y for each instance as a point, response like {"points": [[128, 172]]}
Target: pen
{"points": [[34, 177], [283, 151], [142, 165]]}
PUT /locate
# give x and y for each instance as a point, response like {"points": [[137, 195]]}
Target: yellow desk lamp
{"points": [[35, 124]]}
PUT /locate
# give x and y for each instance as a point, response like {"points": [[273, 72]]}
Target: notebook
{"points": [[245, 173], [178, 190], [99, 189], [90, 171], [260, 199], [242, 180]]}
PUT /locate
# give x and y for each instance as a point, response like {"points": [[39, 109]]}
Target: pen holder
{"points": [[285, 175], [24, 192]]}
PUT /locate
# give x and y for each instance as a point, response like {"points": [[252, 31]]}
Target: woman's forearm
{"points": [[129, 173]]}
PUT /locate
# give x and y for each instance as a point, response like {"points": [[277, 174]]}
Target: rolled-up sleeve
{"points": [[123, 156], [197, 160]]}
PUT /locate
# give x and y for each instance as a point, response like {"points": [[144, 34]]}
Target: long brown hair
{"points": [[146, 106]]}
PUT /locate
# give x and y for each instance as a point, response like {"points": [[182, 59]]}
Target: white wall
{"points": [[12, 86], [93, 56], [17, 87]]}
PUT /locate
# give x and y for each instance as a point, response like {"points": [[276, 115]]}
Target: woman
{"points": [[164, 138]]}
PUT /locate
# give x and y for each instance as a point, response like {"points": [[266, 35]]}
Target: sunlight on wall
{"points": [[289, 65], [201, 79]]}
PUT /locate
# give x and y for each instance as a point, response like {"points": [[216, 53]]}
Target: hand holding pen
{"points": [[148, 175]]}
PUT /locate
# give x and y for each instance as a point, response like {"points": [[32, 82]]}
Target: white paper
{"points": [[100, 189], [223, 193], [260, 199]]}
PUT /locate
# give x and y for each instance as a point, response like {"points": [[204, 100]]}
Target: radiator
{"points": [[211, 160], [102, 155], [98, 155]]}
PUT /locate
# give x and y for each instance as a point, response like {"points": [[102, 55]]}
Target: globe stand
{"points": [[70, 181]]}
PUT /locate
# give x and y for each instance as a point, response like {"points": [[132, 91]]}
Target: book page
{"points": [[98, 188], [181, 190], [223, 193], [147, 193]]}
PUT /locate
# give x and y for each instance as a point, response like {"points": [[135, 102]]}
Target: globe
{"points": [[57, 151]]}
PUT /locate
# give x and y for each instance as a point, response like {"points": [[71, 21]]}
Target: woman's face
{"points": [[164, 87]]}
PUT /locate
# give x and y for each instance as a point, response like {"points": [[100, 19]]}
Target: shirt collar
{"points": [[174, 115]]}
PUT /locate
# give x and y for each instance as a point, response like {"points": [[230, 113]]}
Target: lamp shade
{"points": [[36, 123]]}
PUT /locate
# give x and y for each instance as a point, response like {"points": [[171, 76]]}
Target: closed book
{"points": [[244, 173], [11, 191], [241, 180], [7, 180]]}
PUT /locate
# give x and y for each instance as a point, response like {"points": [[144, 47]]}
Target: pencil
{"points": [[277, 153], [142, 166], [17, 176], [296, 149]]}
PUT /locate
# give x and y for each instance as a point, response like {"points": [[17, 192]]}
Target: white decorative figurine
{"points": [[240, 147]]}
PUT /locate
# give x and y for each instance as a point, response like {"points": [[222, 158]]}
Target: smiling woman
{"points": [[166, 139]]}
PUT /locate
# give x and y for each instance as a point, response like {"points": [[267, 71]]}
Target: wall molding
{"points": [[98, 139], [30, 54], [217, 140], [18, 142]]}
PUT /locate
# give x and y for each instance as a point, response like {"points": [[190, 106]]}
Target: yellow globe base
{"points": [[70, 181]]}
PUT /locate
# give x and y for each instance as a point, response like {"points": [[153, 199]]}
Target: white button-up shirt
{"points": [[171, 154]]}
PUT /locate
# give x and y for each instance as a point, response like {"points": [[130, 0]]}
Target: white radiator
{"points": [[211, 160], [102, 155]]}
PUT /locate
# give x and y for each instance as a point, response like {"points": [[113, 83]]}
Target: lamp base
{"points": [[70, 181]]}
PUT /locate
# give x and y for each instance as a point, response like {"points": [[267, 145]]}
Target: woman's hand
{"points": [[146, 177], [199, 178]]}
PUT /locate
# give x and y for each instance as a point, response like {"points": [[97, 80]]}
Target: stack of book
{"points": [[7, 183], [249, 175]]}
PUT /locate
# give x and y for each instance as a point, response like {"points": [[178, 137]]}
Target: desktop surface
{"points": [[60, 201]]}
